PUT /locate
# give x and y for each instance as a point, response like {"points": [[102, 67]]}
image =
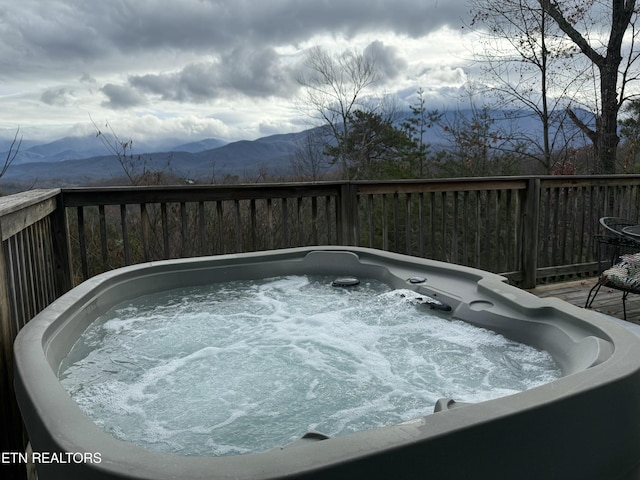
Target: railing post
{"points": [[530, 226], [348, 214], [61, 248]]}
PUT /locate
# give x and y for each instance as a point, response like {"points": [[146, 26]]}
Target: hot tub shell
{"points": [[583, 425]]}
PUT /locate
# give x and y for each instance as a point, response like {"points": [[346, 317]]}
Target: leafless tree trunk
{"points": [[522, 55], [607, 57], [334, 87]]}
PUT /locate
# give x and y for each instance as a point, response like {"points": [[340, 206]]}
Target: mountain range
{"points": [[83, 160], [86, 160]]}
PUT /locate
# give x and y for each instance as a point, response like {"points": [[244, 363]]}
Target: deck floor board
{"points": [[608, 300]]}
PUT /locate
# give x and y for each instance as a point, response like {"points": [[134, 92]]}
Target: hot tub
{"points": [[584, 425]]}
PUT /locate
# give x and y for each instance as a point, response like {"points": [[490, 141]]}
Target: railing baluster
{"points": [[185, 243], [385, 224], [15, 285], [254, 226], [270, 223], [125, 234], [465, 230], [510, 238], [555, 225], [356, 226], [144, 224], [478, 229], [327, 212], [454, 229], [82, 241], [498, 237], [432, 224], [285, 223], [572, 233], [314, 220], [41, 274], [396, 222], [25, 277], [488, 233], [564, 221], [31, 276], [103, 238], [202, 228], [443, 225], [407, 224], [220, 223], [300, 225], [165, 230], [238, 224]]}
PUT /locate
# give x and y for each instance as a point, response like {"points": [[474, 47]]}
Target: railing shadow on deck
{"points": [[531, 229]]}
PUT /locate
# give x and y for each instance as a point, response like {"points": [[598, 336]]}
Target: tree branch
{"points": [[592, 134], [551, 7], [12, 153]]}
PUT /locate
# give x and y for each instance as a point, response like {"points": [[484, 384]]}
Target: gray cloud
{"points": [[88, 79], [58, 96], [242, 71], [121, 96], [195, 83], [387, 59], [77, 31], [125, 54], [208, 24], [250, 72], [257, 72]]}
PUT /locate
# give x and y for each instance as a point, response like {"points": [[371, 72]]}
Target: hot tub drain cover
{"points": [[345, 282]]}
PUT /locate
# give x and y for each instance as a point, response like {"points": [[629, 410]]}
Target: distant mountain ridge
{"points": [[83, 160], [199, 146], [77, 148], [195, 160]]}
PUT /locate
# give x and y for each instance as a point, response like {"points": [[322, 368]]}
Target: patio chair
{"points": [[624, 276], [623, 254], [614, 241]]}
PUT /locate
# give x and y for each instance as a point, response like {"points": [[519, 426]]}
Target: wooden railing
{"points": [[34, 271], [531, 229], [113, 227]]}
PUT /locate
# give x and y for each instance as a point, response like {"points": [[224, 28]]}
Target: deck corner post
{"points": [[61, 248], [530, 227]]}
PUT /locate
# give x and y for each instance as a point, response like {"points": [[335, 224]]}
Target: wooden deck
{"points": [[608, 300]]}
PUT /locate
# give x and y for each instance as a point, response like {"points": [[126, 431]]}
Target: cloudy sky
{"points": [[207, 68]]}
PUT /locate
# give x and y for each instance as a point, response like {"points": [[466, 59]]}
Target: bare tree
{"points": [[630, 131], [14, 148], [137, 168], [309, 161], [335, 88], [477, 145], [529, 66], [579, 20]]}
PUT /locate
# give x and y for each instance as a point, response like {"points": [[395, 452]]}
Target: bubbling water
{"points": [[240, 367]]}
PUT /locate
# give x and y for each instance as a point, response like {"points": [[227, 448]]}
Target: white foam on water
{"points": [[234, 368]]}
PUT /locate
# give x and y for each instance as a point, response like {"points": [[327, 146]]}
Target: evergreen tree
{"points": [[374, 148], [416, 126]]}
